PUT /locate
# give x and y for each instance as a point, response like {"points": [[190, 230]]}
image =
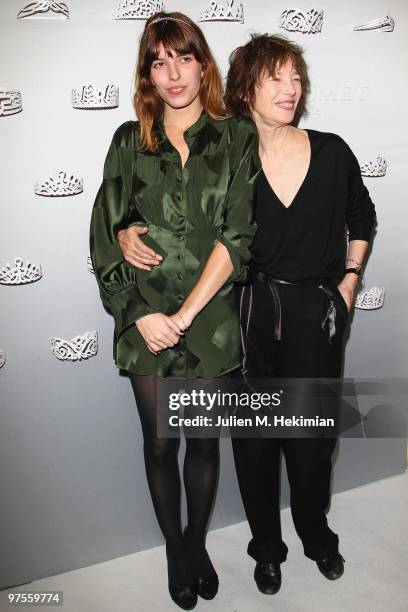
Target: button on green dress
{"points": [[187, 210]]}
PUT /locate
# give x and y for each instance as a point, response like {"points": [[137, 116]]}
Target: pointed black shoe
{"points": [[331, 565], [207, 588], [180, 581], [206, 583], [268, 577], [185, 598]]}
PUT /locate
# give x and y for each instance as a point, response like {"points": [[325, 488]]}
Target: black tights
{"points": [[187, 558]]}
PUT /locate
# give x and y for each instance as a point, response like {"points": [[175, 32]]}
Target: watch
{"points": [[353, 271]]}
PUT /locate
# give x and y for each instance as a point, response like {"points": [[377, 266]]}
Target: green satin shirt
{"points": [[187, 210]]}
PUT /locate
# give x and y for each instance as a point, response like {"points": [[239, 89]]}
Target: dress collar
{"points": [[190, 133]]}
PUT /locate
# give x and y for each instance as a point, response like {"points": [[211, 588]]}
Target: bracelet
{"points": [[185, 326], [353, 271], [355, 261]]}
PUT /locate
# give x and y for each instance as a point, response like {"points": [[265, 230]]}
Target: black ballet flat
{"points": [[181, 584], [185, 598], [207, 588]]}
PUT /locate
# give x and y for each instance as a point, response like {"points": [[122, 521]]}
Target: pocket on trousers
{"points": [[341, 300], [334, 297]]}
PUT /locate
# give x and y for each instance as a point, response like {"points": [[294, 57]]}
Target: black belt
{"points": [[271, 281]]}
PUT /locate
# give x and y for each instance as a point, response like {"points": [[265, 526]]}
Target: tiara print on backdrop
{"points": [[382, 24], [89, 265], [2, 358], [44, 9], [89, 97], [10, 102], [20, 273], [376, 167], [79, 347], [231, 10], [371, 299], [305, 22], [137, 9], [64, 184]]}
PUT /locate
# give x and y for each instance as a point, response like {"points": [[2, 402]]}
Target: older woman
{"points": [[304, 276], [303, 281]]}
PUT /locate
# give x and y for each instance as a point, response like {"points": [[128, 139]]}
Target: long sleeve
{"points": [[187, 210], [239, 227], [361, 216], [116, 278]]}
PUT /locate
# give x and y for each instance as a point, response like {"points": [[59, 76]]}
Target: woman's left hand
{"points": [[347, 288]]}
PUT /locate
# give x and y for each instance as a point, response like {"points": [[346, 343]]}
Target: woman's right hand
{"points": [[134, 249], [158, 331]]}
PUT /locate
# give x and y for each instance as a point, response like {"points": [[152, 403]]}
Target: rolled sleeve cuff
{"points": [[127, 306], [361, 232], [240, 256]]}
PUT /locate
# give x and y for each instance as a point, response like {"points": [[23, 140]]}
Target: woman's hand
{"points": [[134, 249], [159, 331], [347, 288]]}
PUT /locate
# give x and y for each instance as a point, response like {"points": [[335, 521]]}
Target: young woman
{"points": [[295, 310], [187, 173]]}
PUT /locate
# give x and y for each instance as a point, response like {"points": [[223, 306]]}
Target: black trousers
{"points": [[311, 329]]}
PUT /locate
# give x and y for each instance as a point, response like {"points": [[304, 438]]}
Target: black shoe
{"points": [[206, 581], [185, 598], [180, 581], [331, 565], [207, 588], [268, 577]]}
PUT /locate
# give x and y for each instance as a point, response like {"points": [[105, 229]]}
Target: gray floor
{"points": [[372, 523]]}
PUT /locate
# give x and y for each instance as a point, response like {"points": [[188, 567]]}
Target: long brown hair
{"points": [[264, 53], [177, 32]]}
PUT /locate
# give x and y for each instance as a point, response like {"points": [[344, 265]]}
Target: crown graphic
{"points": [[377, 167], [63, 184], [90, 97], [90, 266], [10, 102], [137, 9], [382, 24], [79, 347], [2, 358], [306, 22], [372, 299], [232, 10], [20, 273], [44, 9]]}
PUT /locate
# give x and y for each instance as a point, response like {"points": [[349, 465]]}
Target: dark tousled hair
{"points": [[263, 54]]}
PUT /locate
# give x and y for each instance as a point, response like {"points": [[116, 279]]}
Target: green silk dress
{"points": [[187, 210]]}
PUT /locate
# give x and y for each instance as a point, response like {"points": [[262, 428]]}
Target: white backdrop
{"points": [[69, 432]]}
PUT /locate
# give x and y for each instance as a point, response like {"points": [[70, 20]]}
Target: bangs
{"points": [[176, 34], [269, 64], [173, 38]]}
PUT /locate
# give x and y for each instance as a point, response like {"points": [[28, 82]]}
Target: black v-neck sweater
{"points": [[308, 238]]}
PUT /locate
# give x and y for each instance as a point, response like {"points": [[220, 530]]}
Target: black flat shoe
{"points": [[180, 580], [207, 588], [268, 577], [206, 579], [185, 598], [331, 565]]}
